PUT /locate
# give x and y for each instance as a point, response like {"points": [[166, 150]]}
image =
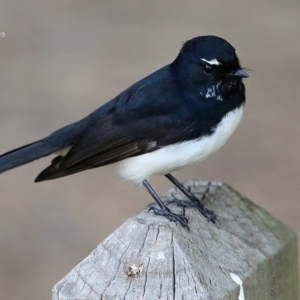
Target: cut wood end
{"points": [[149, 257]]}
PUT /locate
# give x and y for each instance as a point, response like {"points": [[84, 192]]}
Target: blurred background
{"points": [[60, 60]]}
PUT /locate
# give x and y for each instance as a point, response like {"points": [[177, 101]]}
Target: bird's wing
{"points": [[144, 118], [117, 136], [114, 138]]}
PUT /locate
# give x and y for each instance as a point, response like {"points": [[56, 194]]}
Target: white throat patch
{"points": [[213, 91]]}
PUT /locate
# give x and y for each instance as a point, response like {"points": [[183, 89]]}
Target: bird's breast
{"points": [[179, 155]]}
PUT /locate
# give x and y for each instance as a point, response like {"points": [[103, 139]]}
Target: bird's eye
{"points": [[208, 69]]}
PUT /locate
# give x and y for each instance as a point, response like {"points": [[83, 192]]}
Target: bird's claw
{"points": [[181, 219], [208, 214]]}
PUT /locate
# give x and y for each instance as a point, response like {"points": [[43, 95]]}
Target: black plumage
{"points": [[180, 102]]}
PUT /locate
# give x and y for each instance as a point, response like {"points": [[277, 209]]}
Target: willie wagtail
{"points": [[175, 117]]}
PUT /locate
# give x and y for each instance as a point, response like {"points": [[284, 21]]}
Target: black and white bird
{"points": [[175, 117]]}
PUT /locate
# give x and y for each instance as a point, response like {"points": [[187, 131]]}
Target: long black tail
{"points": [[58, 140], [24, 155]]}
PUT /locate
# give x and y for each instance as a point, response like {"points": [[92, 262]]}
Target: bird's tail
{"points": [[24, 155]]}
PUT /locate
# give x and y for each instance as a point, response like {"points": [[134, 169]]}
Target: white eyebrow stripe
{"points": [[212, 61]]}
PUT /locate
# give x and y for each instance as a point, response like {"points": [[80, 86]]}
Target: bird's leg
{"points": [[164, 211], [195, 202]]}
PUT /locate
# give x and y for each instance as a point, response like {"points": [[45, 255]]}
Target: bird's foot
{"points": [[181, 219], [208, 214]]}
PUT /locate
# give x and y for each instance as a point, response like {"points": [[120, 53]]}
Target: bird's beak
{"points": [[238, 73]]}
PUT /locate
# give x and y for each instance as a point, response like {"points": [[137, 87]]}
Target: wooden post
{"points": [[252, 256]]}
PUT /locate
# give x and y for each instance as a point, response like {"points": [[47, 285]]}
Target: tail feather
{"points": [[53, 171], [59, 140], [24, 155]]}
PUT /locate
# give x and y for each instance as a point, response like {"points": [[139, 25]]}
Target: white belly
{"points": [[173, 157]]}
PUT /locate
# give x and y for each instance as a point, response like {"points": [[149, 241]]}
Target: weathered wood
{"points": [[149, 257]]}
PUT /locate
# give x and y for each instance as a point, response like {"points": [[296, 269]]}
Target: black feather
{"points": [[167, 107]]}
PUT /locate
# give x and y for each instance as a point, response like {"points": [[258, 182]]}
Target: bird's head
{"points": [[209, 66]]}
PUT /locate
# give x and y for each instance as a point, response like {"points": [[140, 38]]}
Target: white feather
{"points": [[63, 152], [212, 61], [173, 157]]}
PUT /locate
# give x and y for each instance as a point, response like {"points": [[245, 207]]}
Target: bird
{"points": [[175, 117]]}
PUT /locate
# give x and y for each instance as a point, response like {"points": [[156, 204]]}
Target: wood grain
{"points": [[149, 257]]}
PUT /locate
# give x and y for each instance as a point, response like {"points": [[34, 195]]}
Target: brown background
{"points": [[62, 59]]}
